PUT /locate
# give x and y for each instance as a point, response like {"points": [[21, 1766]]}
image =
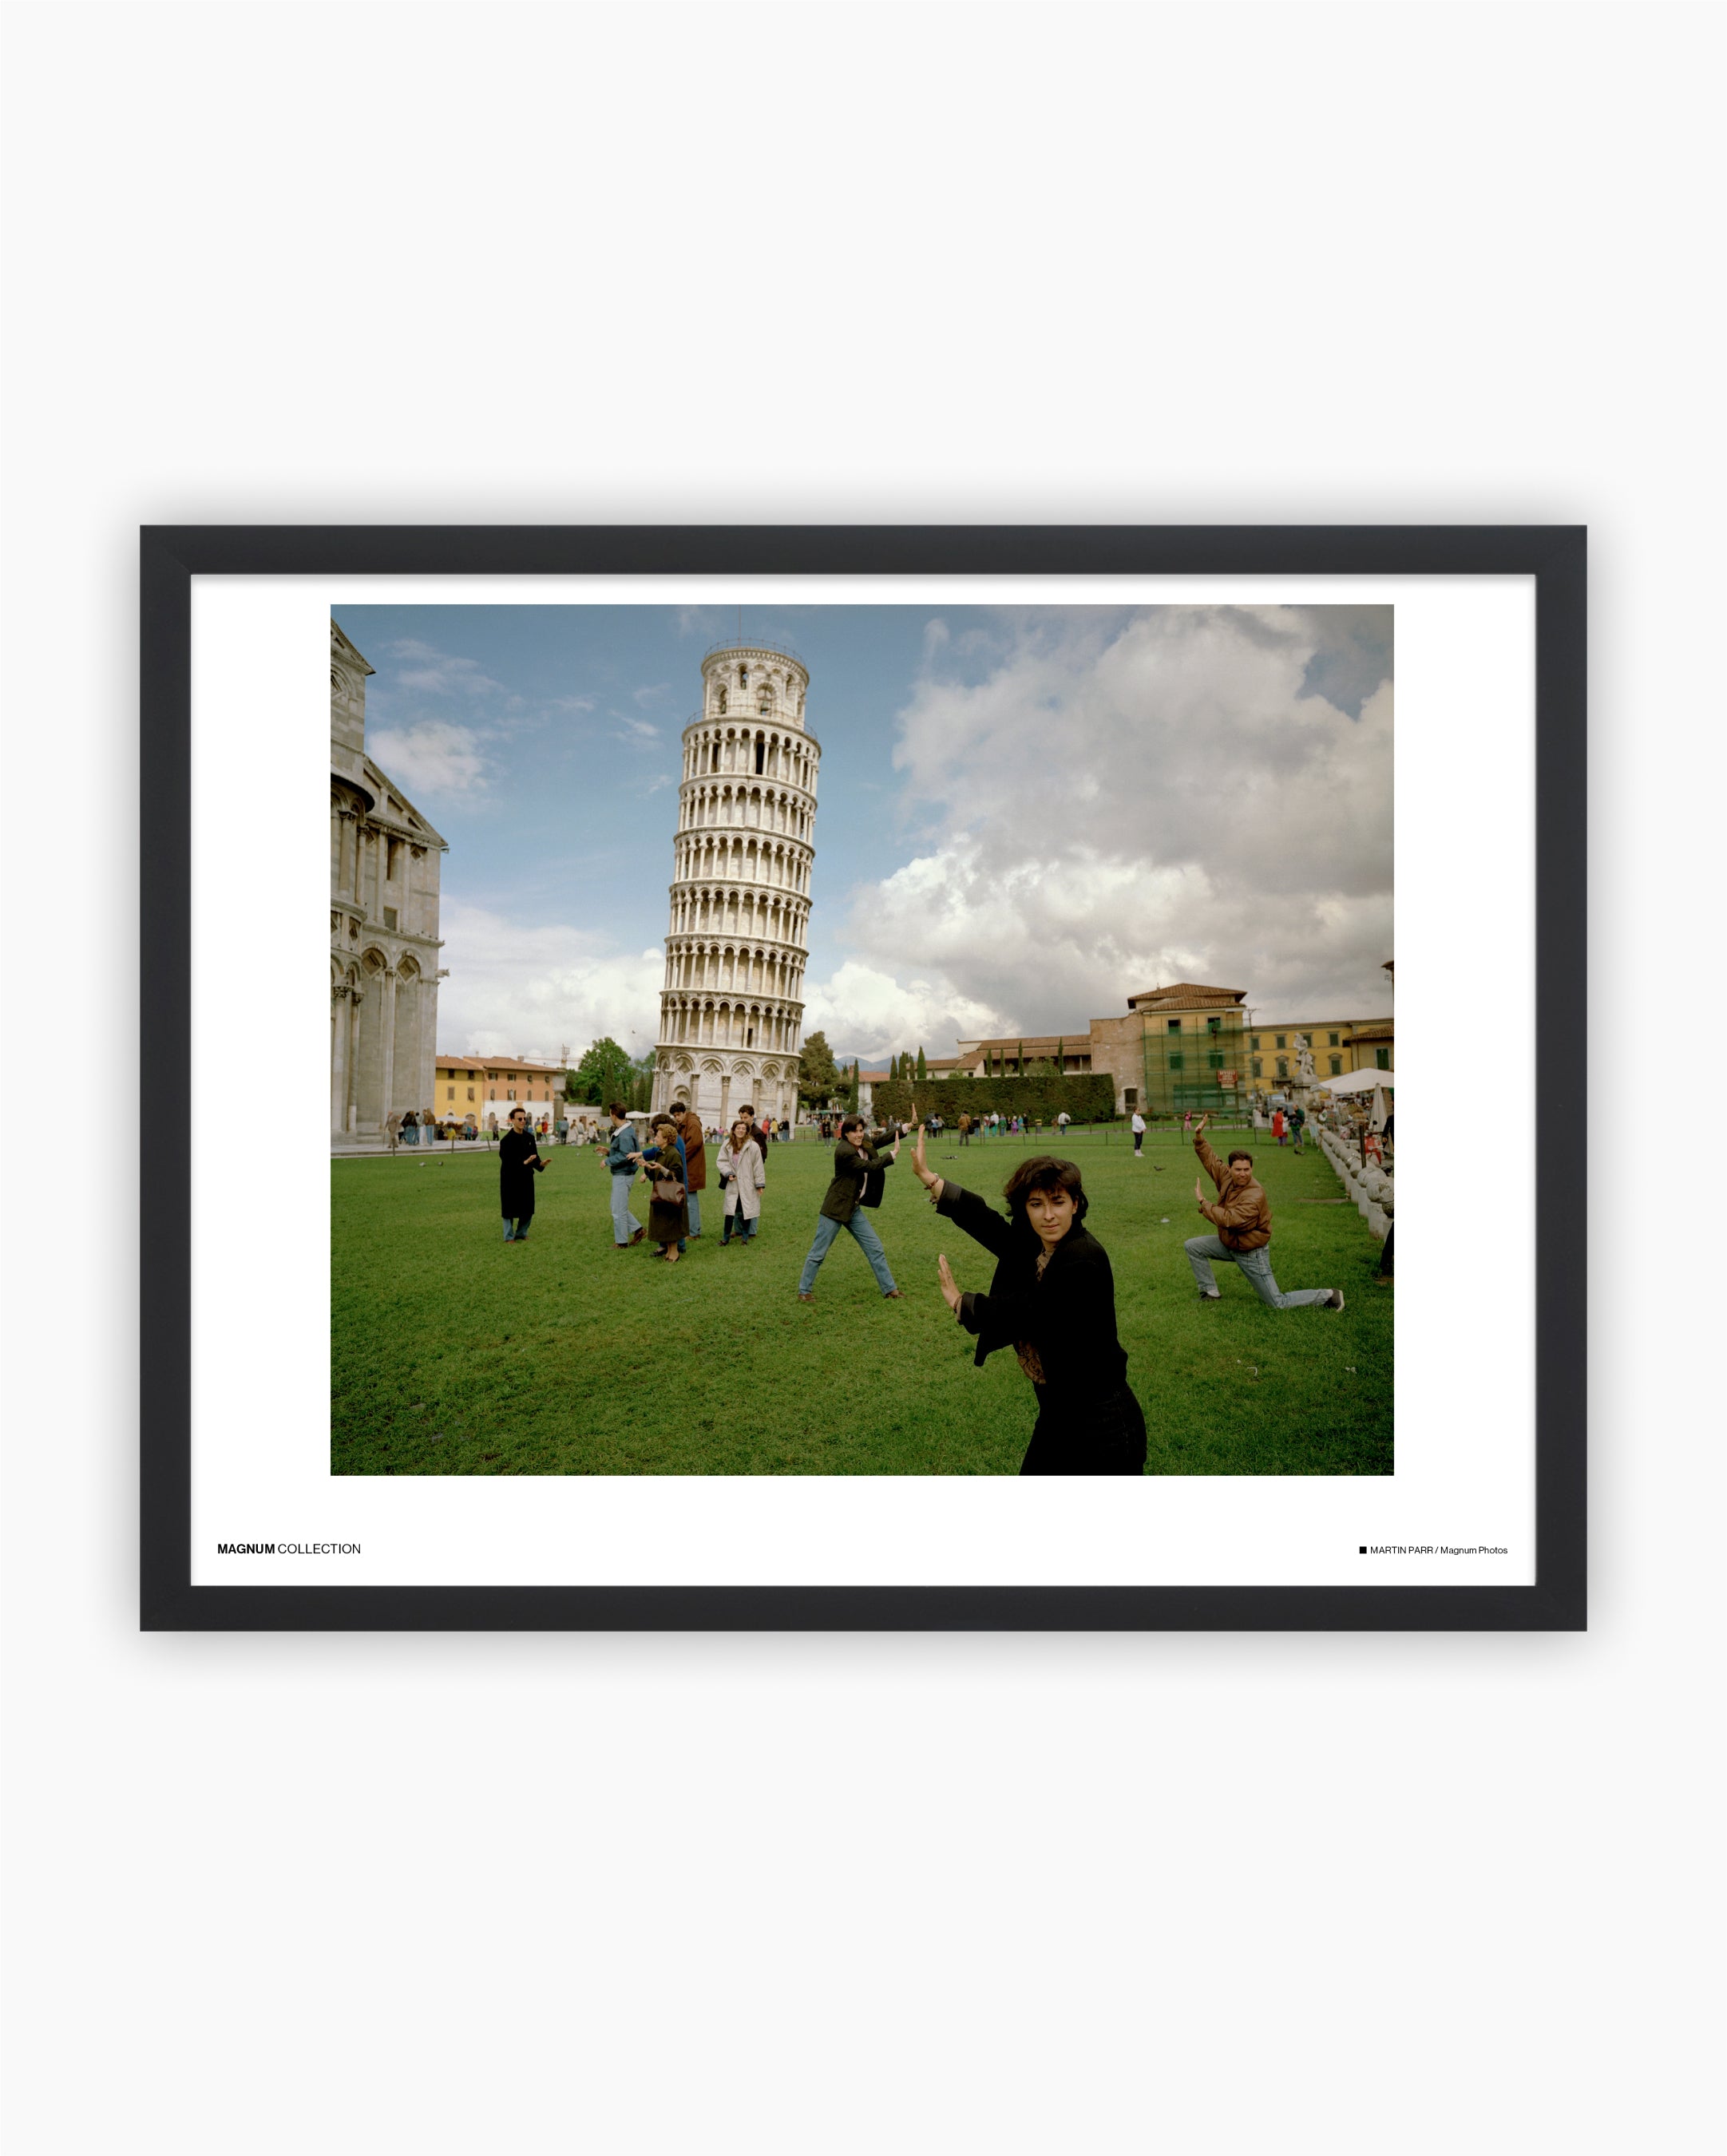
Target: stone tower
{"points": [[732, 1011]]}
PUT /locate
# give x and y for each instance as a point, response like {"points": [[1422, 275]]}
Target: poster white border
{"points": [[1465, 1457]]}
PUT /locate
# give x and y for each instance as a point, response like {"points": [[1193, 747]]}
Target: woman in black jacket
{"points": [[1053, 1301]]}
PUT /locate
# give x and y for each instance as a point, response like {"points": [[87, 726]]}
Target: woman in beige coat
{"points": [[744, 1177]]}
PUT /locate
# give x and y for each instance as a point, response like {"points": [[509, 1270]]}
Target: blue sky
{"points": [[1025, 815]]}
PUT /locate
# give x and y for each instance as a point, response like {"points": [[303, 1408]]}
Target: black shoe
{"points": [[1334, 1301]]}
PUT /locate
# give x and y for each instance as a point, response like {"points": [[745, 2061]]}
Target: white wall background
{"points": [[933, 263]]}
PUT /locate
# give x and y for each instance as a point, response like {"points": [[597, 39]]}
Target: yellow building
{"points": [[483, 1087], [1339, 1046]]}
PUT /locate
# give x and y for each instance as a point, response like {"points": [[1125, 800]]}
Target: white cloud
{"points": [[1125, 801], [527, 990], [437, 673], [870, 1010], [435, 760], [629, 729]]}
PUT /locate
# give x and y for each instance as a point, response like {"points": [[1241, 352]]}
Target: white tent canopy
{"points": [[1359, 1081]]}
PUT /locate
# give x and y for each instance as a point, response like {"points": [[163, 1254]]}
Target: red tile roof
{"points": [[499, 1062], [1185, 995]]}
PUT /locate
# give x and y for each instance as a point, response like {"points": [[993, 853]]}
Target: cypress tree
{"points": [[923, 1067]]}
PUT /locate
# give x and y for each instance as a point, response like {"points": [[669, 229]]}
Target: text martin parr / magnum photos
{"points": [[862, 1040]]}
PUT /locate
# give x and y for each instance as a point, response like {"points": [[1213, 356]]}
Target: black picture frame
{"points": [[1554, 557]]}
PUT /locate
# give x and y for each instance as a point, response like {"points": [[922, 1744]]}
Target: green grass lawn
{"points": [[455, 1353]]}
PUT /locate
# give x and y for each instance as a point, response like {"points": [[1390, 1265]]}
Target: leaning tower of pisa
{"points": [[732, 1011]]}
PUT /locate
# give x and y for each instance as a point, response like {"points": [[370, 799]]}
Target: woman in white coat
{"points": [[743, 1175]]}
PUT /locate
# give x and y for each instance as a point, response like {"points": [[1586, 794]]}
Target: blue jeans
{"points": [[862, 1234], [693, 1202], [625, 1222], [1203, 1251]]}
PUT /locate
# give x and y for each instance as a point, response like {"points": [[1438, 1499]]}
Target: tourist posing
{"points": [[688, 1128], [855, 1161], [518, 1164], [1139, 1136], [742, 1178], [1052, 1301], [621, 1159], [1241, 1214]]}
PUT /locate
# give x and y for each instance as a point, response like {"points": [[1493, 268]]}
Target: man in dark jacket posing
{"points": [[518, 1164], [854, 1159], [1241, 1215]]}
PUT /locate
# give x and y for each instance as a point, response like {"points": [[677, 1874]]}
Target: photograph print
{"points": [[862, 1040]]}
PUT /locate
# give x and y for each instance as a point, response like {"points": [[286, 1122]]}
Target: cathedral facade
{"points": [[732, 1008], [384, 864]]}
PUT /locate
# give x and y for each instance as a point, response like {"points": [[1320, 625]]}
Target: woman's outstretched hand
{"points": [[921, 1167], [950, 1288]]}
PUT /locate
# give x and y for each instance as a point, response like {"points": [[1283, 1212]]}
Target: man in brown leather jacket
{"points": [[1241, 1215], [688, 1127]]}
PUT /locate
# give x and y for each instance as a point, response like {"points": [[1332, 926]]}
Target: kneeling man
{"points": [[1242, 1216]]}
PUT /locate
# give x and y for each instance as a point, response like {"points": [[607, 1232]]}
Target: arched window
{"points": [[761, 746], [722, 703], [743, 677]]}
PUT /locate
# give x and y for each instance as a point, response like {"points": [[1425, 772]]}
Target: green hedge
{"points": [[1089, 1098]]}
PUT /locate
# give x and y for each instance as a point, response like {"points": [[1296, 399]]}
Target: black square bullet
{"points": [[1364, 1549]]}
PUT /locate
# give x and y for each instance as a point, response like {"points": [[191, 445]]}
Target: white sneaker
{"points": [[1334, 1301]]}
